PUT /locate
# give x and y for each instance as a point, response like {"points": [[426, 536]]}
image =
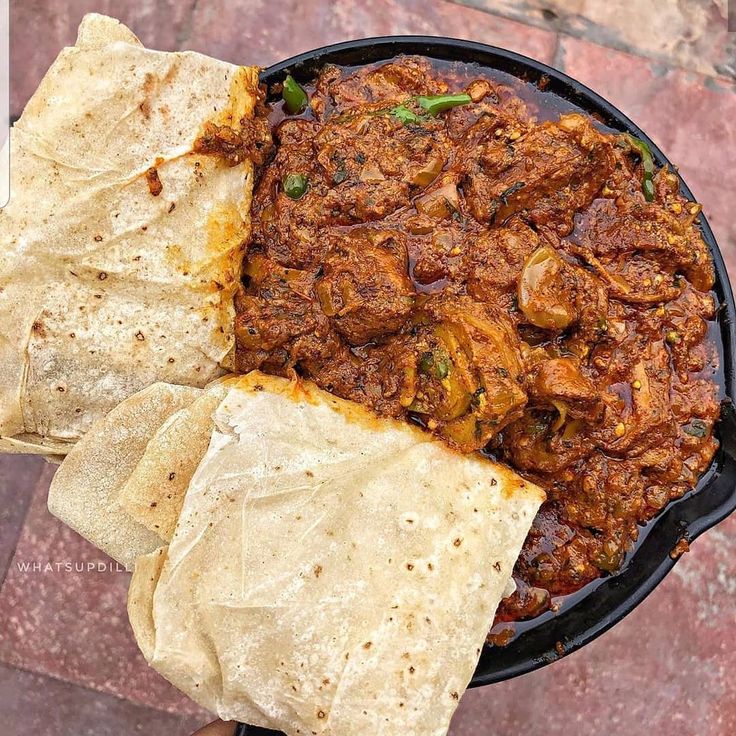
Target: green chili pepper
{"points": [[295, 98], [647, 163], [404, 115], [442, 368], [295, 185], [696, 428], [437, 365], [433, 105], [436, 104], [426, 362], [341, 173]]}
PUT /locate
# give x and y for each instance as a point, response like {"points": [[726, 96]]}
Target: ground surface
{"points": [[68, 664]]}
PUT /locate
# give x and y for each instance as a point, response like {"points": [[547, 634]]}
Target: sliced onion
{"points": [[540, 297], [443, 241], [324, 296], [462, 431], [562, 409], [459, 383], [371, 172], [268, 213], [408, 391], [256, 267], [419, 225], [572, 429], [428, 173], [439, 203]]}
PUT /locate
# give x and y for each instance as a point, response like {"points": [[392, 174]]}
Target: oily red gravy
{"points": [[434, 244]]}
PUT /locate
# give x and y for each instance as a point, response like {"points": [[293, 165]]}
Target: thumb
{"points": [[217, 728]]}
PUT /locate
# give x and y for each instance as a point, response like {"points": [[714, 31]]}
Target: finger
{"points": [[217, 728]]}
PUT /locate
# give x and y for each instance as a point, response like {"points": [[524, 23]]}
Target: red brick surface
{"points": [[262, 32], [72, 624], [692, 34], [690, 117], [666, 669], [40, 28], [33, 705], [18, 475]]}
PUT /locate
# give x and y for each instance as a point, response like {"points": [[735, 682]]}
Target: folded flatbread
{"points": [[123, 484], [330, 572], [84, 491], [120, 248], [154, 491]]}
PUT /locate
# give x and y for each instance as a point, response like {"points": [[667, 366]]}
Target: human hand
{"points": [[217, 728]]}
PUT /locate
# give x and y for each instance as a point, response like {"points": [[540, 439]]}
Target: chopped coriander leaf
{"points": [[404, 115], [696, 428]]}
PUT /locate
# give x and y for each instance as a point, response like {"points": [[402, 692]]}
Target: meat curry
{"points": [[518, 280]]}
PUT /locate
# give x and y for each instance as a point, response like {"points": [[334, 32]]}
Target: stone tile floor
{"points": [[68, 664]]}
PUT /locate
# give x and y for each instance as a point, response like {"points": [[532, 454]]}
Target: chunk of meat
{"points": [[614, 229], [278, 319], [377, 147], [365, 289], [285, 227], [495, 261], [469, 370], [684, 326], [386, 84], [357, 170], [548, 173], [638, 414], [497, 109], [539, 442], [559, 382], [383, 377], [439, 255]]}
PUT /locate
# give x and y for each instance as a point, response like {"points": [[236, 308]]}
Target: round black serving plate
{"points": [[607, 601]]}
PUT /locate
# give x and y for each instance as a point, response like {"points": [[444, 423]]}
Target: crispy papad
{"points": [[84, 491], [330, 572], [120, 248]]}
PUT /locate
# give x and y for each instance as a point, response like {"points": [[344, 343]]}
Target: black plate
{"points": [[607, 601]]}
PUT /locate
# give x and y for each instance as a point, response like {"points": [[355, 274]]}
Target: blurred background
{"points": [[68, 662]]}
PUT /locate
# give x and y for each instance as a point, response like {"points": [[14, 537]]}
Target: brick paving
{"points": [[63, 614], [68, 664], [44, 706], [271, 34], [691, 34], [690, 117]]}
